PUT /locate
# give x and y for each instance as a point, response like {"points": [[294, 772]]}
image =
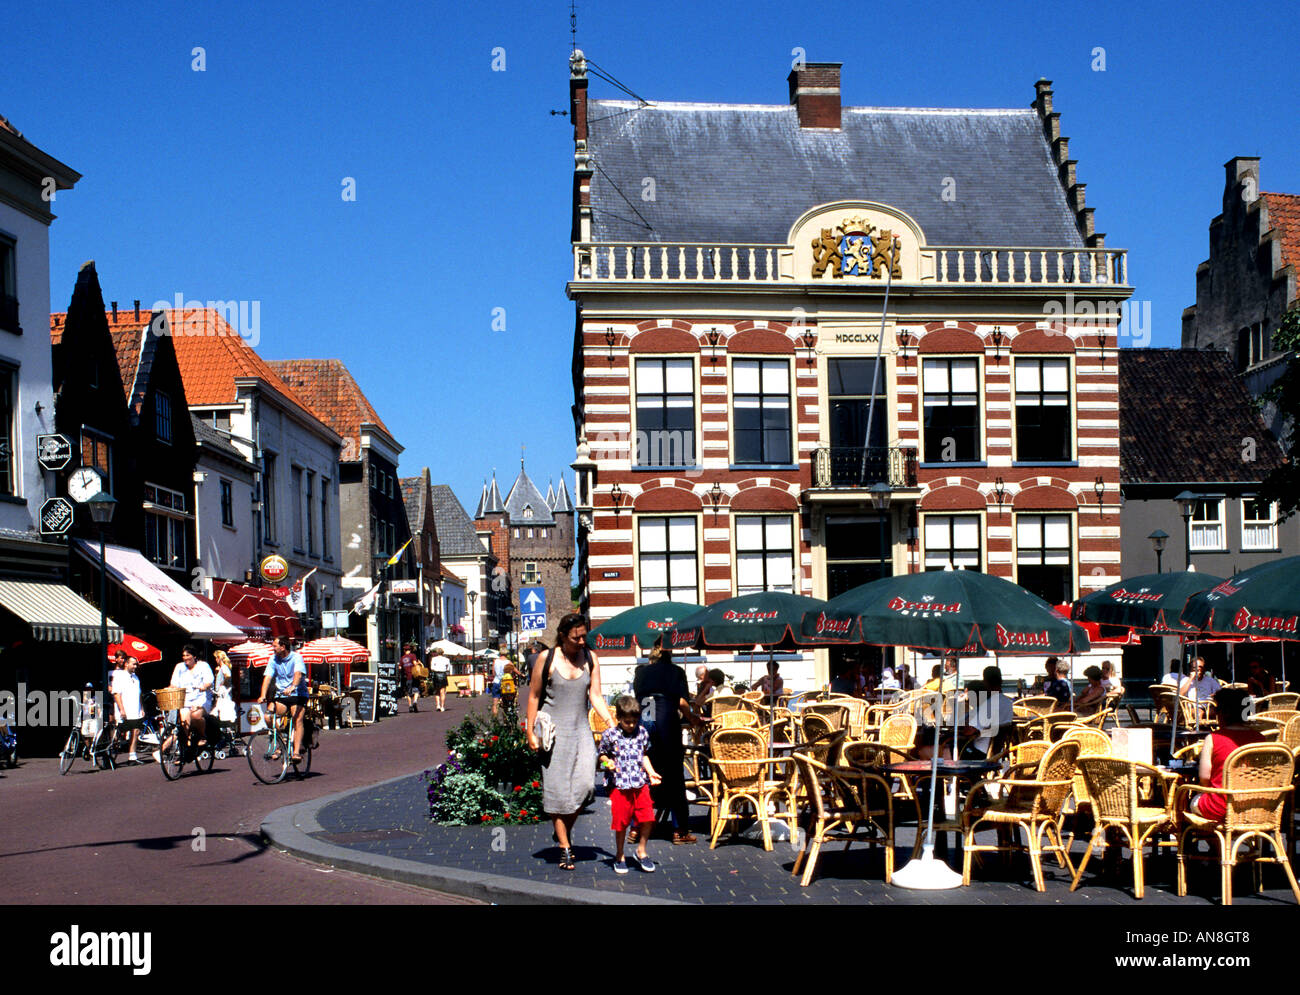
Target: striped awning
{"points": [[55, 613]]}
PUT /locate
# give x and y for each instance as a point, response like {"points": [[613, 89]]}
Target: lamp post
{"points": [[1187, 502], [880, 495], [1158, 539], [473, 597], [102, 506]]}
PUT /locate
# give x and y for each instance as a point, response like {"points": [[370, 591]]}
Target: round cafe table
{"points": [[917, 771]]}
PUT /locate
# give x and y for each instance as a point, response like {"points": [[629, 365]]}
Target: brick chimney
{"points": [[815, 94]]}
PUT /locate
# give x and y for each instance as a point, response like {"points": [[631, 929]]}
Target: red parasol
{"points": [[136, 647]]}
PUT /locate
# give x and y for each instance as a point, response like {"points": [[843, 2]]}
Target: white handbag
{"points": [[544, 728]]}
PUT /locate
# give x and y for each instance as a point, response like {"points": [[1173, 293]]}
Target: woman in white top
{"points": [[223, 682], [195, 677], [439, 668]]}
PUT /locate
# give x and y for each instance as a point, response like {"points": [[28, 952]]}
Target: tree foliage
{"points": [[1283, 484]]}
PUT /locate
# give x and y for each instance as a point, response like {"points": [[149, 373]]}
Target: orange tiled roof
{"points": [[1284, 215], [334, 397], [209, 352], [4, 123]]}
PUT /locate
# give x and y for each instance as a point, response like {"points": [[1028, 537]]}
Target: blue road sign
{"points": [[532, 609]]}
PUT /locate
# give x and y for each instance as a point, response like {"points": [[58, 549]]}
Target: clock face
{"points": [[84, 484]]}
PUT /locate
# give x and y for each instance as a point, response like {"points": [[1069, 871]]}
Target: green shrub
{"points": [[490, 777]]}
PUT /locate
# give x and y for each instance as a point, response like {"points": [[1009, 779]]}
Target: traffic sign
{"points": [[532, 609], [53, 452], [56, 516]]}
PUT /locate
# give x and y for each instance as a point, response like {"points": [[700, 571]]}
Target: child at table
{"points": [[623, 757]]}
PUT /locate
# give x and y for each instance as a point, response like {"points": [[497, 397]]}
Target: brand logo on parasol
{"points": [[1224, 589], [1159, 624], [833, 626], [1244, 620], [667, 623], [925, 608], [1008, 638], [679, 638], [1133, 597], [752, 615], [607, 643]]}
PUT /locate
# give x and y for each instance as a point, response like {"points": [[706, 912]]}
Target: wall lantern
{"points": [[999, 493], [610, 339]]}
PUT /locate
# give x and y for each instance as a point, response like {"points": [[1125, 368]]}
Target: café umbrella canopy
{"points": [[641, 625], [951, 611], [1150, 603], [1262, 602]]}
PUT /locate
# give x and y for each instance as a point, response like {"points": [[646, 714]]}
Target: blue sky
{"points": [[226, 184]]}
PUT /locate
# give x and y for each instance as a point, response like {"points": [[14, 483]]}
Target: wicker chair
{"points": [[1033, 805], [841, 800], [723, 703], [1288, 700], [874, 757], [1036, 704], [1290, 735], [1043, 726], [1111, 704], [783, 722], [1162, 702], [1277, 716], [836, 713], [752, 696], [738, 718], [702, 784], [821, 739], [797, 701], [1256, 789], [857, 714], [898, 731], [745, 773], [1092, 743], [1115, 794], [877, 714]]}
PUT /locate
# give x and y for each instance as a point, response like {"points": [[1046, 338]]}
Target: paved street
{"points": [[127, 836]]}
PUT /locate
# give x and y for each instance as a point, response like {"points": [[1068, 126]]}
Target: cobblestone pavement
{"points": [[389, 822]]}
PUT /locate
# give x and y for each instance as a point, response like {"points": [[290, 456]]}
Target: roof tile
{"points": [[1284, 215], [333, 395]]}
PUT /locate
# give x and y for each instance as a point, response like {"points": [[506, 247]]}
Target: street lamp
{"points": [[1187, 502], [473, 597], [1158, 539], [102, 506]]}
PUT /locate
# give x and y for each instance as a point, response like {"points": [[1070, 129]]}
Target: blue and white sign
{"points": [[532, 609]]}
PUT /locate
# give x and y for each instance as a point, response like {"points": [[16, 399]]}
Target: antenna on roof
{"points": [[573, 23]]}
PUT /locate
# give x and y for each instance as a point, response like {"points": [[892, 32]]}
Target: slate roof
{"points": [[1284, 216], [1183, 414], [745, 173], [491, 502], [524, 493], [206, 435], [332, 394], [413, 497], [456, 535], [562, 502]]}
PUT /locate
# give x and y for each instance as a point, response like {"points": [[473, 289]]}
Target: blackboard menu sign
{"points": [[387, 688], [366, 684]]}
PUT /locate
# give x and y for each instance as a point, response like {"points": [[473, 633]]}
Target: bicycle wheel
{"points": [[268, 756], [203, 758], [101, 749], [172, 756], [303, 767], [70, 751]]}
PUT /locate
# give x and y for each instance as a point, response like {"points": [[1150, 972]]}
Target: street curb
{"points": [[288, 829]]}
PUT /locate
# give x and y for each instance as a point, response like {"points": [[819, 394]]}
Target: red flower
{"points": [[507, 815], [495, 738], [523, 811], [485, 756], [536, 784], [519, 787], [486, 817]]}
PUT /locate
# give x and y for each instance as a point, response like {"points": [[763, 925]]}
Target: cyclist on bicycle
{"points": [[291, 688], [195, 676]]}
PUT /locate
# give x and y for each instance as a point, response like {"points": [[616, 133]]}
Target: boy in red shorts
{"points": [[622, 750]]}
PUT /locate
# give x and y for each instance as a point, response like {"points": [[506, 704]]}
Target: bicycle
{"points": [[151, 721], [173, 754], [270, 747], [93, 749]]}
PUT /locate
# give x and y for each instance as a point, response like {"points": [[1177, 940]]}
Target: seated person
{"points": [[1200, 684], [1260, 682], [905, 679], [992, 718], [1231, 734], [936, 678], [1175, 675], [1093, 696], [770, 683], [848, 680], [1109, 681], [1055, 682]]}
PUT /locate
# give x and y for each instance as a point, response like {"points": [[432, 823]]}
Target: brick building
{"points": [[1249, 281], [541, 546], [727, 334]]}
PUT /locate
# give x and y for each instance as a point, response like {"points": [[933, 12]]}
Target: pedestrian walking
{"points": [[623, 749], [661, 691], [409, 663], [440, 667], [565, 684]]}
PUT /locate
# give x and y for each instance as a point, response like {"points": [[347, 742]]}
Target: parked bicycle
{"points": [[270, 746], [8, 746], [86, 743]]}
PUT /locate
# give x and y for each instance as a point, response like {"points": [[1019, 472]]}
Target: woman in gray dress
{"points": [[564, 681]]}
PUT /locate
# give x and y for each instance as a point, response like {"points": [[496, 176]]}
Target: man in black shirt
{"points": [[661, 689]]}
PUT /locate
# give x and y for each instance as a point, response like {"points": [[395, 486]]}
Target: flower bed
{"points": [[490, 777]]}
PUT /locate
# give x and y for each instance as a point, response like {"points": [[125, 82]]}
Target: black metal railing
{"points": [[854, 466]]}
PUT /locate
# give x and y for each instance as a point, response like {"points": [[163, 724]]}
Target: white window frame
{"points": [[768, 552], [672, 593], [696, 418], [977, 517], [981, 420], [1213, 532], [763, 397], [1072, 430], [1071, 522], [1266, 528]]}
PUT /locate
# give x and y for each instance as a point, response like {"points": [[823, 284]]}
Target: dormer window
{"points": [[528, 511]]}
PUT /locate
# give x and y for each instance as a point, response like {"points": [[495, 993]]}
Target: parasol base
{"points": [[927, 874], [780, 832]]}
